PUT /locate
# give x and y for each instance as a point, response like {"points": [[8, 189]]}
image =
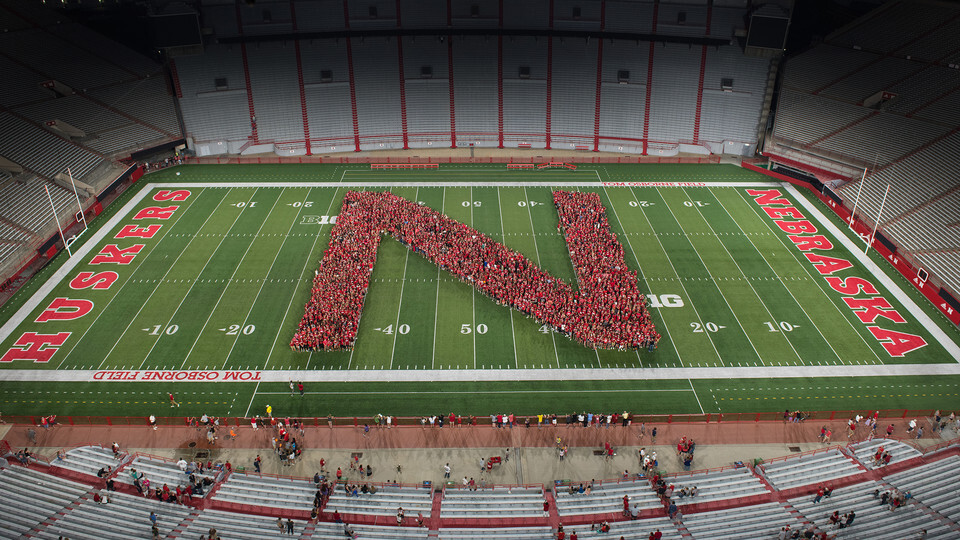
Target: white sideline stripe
{"points": [[879, 275], [475, 183], [79, 257], [452, 375]]}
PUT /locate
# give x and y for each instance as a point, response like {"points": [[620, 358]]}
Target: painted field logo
{"points": [[608, 311]]}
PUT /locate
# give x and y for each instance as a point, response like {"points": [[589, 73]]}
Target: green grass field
{"points": [[222, 284]]}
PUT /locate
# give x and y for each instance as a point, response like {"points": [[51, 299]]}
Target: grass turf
{"points": [[223, 284]]}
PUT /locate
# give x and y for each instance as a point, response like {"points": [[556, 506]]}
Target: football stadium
{"points": [[572, 233]]}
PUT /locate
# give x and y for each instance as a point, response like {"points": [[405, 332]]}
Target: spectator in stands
{"points": [[399, 516]]}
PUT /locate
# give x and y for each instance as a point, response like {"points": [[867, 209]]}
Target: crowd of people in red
{"points": [[608, 312]]}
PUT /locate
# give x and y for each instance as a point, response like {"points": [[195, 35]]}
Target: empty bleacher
{"points": [[48, 495], [285, 493], [26, 203], [334, 531], [499, 533], [124, 516], [499, 502], [759, 521], [42, 151], [808, 469], [606, 498], [873, 521]]}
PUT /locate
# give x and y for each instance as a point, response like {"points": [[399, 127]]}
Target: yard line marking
{"points": [[784, 286], [696, 396], [473, 294], [536, 251], [396, 327], [952, 348], [159, 283], [584, 391], [179, 305], [436, 309], [293, 294], [735, 263], [224, 291], [645, 282], [129, 280], [679, 281], [513, 328], [846, 314], [79, 257], [711, 275], [295, 220]]}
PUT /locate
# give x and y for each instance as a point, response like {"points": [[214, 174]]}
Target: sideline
{"points": [[485, 375], [921, 316]]}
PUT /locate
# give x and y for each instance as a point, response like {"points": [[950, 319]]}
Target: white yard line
{"points": [[536, 250], [189, 289], [119, 292], [293, 295], [513, 328], [645, 282], [692, 389], [436, 308], [742, 273], [396, 327], [764, 257], [224, 291], [846, 314], [473, 294], [160, 283], [79, 257], [952, 348], [296, 218], [732, 312], [675, 273]]}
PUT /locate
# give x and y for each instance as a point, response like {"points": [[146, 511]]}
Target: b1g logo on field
{"points": [[318, 220]]}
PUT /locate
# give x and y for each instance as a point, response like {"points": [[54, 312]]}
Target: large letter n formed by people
{"points": [[607, 311]]}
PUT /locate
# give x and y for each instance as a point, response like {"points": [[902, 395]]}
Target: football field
{"points": [[756, 291]]}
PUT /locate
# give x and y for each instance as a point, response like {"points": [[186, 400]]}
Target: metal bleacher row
{"points": [[118, 99], [825, 117], [387, 83], [732, 502]]}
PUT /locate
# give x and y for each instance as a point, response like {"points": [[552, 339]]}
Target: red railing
{"points": [[345, 160], [652, 419]]}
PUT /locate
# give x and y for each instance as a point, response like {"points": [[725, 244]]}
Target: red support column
{"points": [[453, 110], [646, 105], [703, 68], [403, 89], [499, 91], [547, 124], [596, 113], [353, 86], [303, 94], [176, 79], [246, 78]]}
